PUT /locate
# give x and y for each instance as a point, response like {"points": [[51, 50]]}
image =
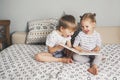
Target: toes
{"points": [[96, 71], [92, 71], [71, 61]]}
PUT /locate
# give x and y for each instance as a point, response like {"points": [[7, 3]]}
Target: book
{"points": [[77, 52]]}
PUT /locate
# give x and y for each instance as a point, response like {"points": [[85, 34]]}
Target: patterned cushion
{"points": [[39, 29]]}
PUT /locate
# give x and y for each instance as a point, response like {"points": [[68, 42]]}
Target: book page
{"points": [[77, 52]]}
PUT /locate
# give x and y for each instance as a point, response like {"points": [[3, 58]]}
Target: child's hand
{"points": [[87, 51], [78, 48], [96, 49], [59, 47], [54, 49]]}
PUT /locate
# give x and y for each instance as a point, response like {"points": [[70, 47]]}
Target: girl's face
{"points": [[87, 26], [67, 32]]}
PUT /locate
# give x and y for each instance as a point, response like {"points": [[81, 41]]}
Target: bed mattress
{"points": [[17, 63]]}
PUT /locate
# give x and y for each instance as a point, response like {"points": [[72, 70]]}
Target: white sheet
{"points": [[17, 63]]}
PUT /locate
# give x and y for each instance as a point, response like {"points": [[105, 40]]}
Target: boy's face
{"points": [[87, 26], [67, 32]]}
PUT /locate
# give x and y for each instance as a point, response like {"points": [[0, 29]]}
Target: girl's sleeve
{"points": [[51, 40], [76, 41], [99, 41]]}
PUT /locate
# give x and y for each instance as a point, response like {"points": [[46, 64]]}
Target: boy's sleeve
{"points": [[76, 41], [51, 40], [99, 41]]}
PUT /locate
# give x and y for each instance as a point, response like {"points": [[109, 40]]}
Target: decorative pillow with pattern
{"points": [[39, 29]]}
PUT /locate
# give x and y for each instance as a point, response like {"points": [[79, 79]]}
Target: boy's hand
{"points": [[59, 47], [54, 49]]}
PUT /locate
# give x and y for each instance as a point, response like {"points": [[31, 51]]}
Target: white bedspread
{"points": [[17, 63]]}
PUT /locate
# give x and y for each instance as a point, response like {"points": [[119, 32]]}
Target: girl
{"points": [[63, 33], [88, 40]]}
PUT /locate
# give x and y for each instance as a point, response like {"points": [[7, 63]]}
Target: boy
{"points": [[65, 29]]}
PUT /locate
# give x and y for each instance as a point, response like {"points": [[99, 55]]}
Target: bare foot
{"points": [[66, 60], [93, 70]]}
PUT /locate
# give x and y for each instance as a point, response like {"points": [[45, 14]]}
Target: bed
{"points": [[17, 63]]}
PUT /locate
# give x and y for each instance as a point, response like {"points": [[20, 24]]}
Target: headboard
{"points": [[109, 34]]}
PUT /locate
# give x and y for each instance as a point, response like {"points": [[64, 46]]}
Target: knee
{"points": [[76, 57], [38, 57]]}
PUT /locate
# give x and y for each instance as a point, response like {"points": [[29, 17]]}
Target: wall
{"points": [[21, 11]]}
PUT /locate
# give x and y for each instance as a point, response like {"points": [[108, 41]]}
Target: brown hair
{"points": [[90, 16], [65, 20]]}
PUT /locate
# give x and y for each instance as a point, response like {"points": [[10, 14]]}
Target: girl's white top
{"points": [[87, 42]]}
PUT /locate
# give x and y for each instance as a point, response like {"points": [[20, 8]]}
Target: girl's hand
{"points": [[96, 49], [78, 48], [87, 51]]}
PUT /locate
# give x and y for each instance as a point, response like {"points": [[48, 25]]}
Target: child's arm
{"points": [[54, 49], [69, 43], [78, 48], [96, 49], [98, 45]]}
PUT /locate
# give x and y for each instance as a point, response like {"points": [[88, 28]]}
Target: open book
{"points": [[77, 52]]}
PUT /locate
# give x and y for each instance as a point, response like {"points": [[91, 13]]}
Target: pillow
{"points": [[39, 29]]}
